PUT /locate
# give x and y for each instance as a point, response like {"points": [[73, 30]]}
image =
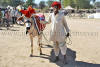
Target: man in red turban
{"points": [[59, 29], [58, 4]]}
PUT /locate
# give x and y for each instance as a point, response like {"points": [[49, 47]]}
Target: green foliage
{"points": [[30, 2], [42, 4], [94, 0], [84, 4], [78, 3], [11, 2], [49, 2], [4, 2], [97, 4], [66, 3], [16, 2], [70, 2]]}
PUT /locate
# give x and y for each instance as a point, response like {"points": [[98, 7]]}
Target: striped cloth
{"points": [[39, 26]]}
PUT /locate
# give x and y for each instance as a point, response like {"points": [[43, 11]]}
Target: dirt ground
{"points": [[83, 52]]}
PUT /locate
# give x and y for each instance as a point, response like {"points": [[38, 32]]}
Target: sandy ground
{"points": [[84, 51]]}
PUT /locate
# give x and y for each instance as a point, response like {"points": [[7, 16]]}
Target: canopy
{"points": [[95, 15], [69, 7], [50, 8], [10, 7], [19, 7]]}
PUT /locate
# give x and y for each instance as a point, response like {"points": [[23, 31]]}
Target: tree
{"points": [[42, 4], [77, 3], [11, 2], [94, 0], [16, 2], [4, 2], [84, 4], [49, 2], [72, 3], [66, 3], [30, 2], [97, 4]]}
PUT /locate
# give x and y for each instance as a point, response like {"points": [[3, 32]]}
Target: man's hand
{"points": [[19, 18], [67, 35]]}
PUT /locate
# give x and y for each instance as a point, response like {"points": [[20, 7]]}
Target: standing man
{"points": [[0, 16], [59, 31], [14, 18], [7, 18]]}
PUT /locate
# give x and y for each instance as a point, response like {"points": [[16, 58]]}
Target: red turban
{"points": [[28, 12], [56, 4]]}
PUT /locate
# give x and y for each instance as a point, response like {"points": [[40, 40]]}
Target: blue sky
{"points": [[38, 1], [93, 3], [97, 0]]}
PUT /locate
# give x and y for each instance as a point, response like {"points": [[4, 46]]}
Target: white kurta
{"points": [[59, 25]]}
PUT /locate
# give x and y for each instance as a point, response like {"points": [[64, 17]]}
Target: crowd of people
{"points": [[8, 16]]}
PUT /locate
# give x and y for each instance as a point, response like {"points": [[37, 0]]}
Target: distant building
{"points": [[2, 6], [97, 4]]}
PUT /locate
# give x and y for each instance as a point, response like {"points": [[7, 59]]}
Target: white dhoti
{"points": [[60, 46]]}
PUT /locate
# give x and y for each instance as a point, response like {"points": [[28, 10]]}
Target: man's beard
{"points": [[56, 12]]}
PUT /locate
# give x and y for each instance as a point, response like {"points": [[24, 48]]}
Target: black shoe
{"points": [[26, 32], [31, 55], [65, 61], [56, 59]]}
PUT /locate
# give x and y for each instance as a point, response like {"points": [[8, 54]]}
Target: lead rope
{"points": [[68, 40], [46, 39], [45, 36]]}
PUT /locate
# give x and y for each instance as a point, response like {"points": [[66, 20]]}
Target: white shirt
{"points": [[59, 25], [13, 12], [28, 24]]}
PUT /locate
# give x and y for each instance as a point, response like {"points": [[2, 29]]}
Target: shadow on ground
{"points": [[71, 56], [13, 30]]}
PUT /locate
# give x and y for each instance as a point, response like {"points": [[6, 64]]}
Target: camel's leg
{"points": [[40, 44], [31, 38]]}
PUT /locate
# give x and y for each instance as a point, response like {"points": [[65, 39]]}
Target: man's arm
{"points": [[46, 22], [65, 24], [20, 18]]}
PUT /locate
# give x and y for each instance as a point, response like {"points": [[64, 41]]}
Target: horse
{"points": [[35, 21]]}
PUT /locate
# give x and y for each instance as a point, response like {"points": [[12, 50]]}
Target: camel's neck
{"points": [[34, 28]]}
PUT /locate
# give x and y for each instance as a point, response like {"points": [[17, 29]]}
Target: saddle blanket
{"points": [[40, 26]]}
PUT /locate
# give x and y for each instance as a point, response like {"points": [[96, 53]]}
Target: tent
{"points": [[2, 6], [19, 7], [50, 8], [95, 15], [9, 7], [69, 8]]}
